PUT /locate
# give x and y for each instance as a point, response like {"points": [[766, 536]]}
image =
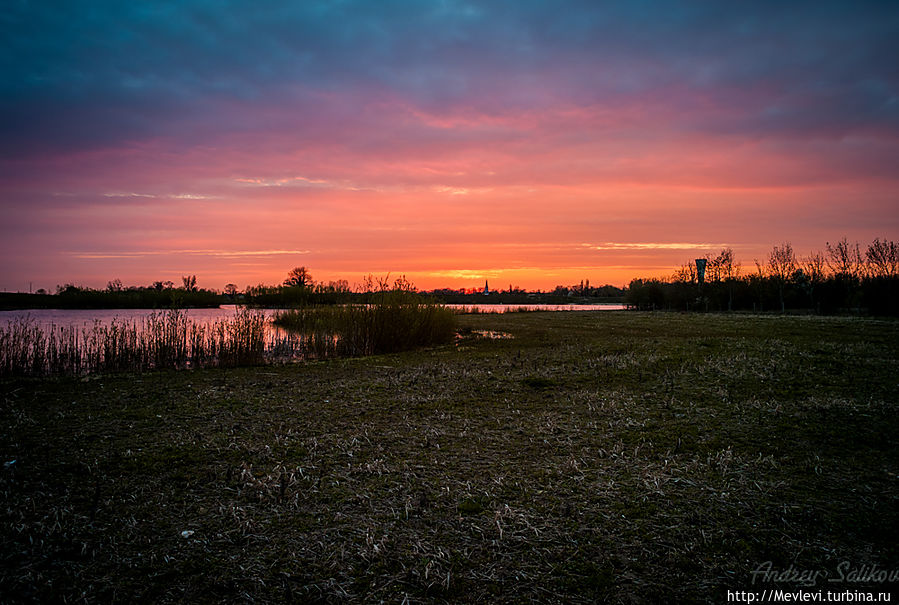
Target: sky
{"points": [[528, 143]]}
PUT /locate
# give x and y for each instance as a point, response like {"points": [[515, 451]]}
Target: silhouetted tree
{"points": [[722, 267], [780, 268], [845, 261], [880, 287], [882, 258], [190, 282], [298, 277], [844, 258], [646, 294], [728, 269], [341, 285], [813, 267], [686, 273]]}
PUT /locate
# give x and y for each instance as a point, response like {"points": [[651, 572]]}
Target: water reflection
{"points": [[531, 308], [80, 318], [77, 341]]}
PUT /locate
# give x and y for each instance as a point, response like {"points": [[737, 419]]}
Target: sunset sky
{"points": [[528, 143]]}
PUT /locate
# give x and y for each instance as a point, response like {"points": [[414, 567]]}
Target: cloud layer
{"points": [[400, 135]]}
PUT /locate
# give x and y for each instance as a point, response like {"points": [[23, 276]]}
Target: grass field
{"points": [[604, 456]]}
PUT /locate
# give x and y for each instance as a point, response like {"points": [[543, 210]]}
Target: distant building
{"points": [[486, 288]]}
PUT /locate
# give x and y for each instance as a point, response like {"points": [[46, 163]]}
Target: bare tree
{"points": [[781, 262], [727, 269], [844, 258], [722, 266], [712, 268], [882, 258], [686, 273], [231, 290], [813, 265], [730, 268], [298, 277], [781, 266], [813, 268]]}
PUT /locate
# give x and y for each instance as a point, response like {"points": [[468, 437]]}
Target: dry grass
{"points": [[614, 457]]}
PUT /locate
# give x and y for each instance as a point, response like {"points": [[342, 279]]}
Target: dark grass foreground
{"points": [[615, 457]]}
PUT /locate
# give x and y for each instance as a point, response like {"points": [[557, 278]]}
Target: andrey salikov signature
{"points": [[845, 572]]}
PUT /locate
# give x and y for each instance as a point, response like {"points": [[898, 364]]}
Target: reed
{"points": [[394, 321], [167, 339], [468, 310], [476, 310]]}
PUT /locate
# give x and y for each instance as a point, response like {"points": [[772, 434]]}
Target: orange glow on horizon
{"points": [[517, 198], [454, 144]]}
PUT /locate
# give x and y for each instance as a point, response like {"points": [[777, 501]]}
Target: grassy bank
{"points": [[619, 457]]}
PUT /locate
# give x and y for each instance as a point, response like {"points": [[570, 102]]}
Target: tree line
{"points": [[842, 278], [300, 289], [158, 295]]}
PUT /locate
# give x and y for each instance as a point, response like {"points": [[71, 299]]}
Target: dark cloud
{"points": [[101, 74]]}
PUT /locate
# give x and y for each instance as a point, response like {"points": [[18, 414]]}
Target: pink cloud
{"points": [[407, 188]]}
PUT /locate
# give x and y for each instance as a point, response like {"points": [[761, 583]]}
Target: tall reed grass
{"points": [[393, 321], [166, 339], [476, 310]]}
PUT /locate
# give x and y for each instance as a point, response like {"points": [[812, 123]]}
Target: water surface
{"points": [[87, 317]]}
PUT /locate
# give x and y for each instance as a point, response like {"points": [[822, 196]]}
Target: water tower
{"points": [[700, 270]]}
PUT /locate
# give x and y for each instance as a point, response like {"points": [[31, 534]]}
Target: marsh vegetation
{"points": [[160, 340], [397, 323], [384, 321], [591, 457], [386, 318]]}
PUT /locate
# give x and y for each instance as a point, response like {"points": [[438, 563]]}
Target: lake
{"points": [[87, 317], [83, 341], [515, 308]]}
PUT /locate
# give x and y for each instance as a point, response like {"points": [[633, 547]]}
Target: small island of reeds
{"points": [[387, 321]]}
